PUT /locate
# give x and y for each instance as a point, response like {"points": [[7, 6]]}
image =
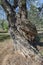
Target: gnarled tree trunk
{"points": [[21, 43]]}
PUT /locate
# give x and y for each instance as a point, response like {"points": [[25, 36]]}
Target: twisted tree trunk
{"points": [[20, 42]]}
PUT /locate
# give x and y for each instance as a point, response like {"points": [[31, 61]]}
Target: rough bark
{"points": [[20, 42], [27, 27], [22, 9]]}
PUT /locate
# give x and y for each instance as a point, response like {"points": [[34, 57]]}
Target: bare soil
{"points": [[8, 55]]}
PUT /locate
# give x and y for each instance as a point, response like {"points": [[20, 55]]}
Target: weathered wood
{"points": [[22, 45], [26, 26]]}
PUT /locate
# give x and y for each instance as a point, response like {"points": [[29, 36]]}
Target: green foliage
{"points": [[5, 26], [3, 30], [34, 18]]}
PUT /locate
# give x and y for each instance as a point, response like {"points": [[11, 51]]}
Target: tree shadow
{"points": [[37, 43]]}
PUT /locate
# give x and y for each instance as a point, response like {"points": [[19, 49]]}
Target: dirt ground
{"points": [[8, 56]]}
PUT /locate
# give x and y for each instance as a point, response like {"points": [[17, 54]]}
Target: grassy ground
{"points": [[4, 36]]}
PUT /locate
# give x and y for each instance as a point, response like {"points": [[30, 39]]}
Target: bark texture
{"points": [[21, 31]]}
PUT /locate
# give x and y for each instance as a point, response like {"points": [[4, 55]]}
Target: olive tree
{"points": [[21, 29]]}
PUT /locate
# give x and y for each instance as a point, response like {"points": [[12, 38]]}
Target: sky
{"points": [[41, 1], [3, 15]]}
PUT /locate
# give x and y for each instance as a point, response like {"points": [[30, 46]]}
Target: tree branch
{"points": [[10, 12], [7, 7], [22, 8], [15, 4]]}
